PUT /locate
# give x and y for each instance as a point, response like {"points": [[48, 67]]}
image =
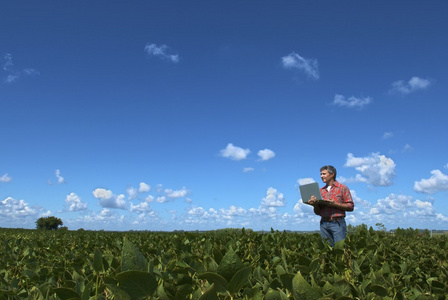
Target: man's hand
{"points": [[328, 202], [313, 200], [331, 202]]}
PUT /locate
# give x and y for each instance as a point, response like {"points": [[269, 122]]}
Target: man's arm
{"points": [[315, 205], [346, 205], [341, 206]]}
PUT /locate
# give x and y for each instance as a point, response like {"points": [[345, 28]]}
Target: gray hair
{"points": [[330, 169]]}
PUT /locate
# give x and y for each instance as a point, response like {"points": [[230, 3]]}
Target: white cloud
{"points": [[11, 78], [407, 148], [392, 204], [75, 203], [197, 211], [414, 84], [102, 193], [248, 169], [176, 193], [142, 207], [12, 74], [132, 192], [5, 178], [59, 177], [12, 208], [266, 154], [234, 153], [108, 199], [273, 199], [105, 219], [359, 202], [302, 210], [104, 215], [143, 187], [357, 178], [31, 72], [440, 217], [161, 199], [309, 66], [149, 198], [7, 65], [375, 169], [388, 135], [303, 181], [233, 211], [436, 183], [351, 102], [402, 207], [161, 52]]}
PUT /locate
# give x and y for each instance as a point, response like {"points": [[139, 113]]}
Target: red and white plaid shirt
{"points": [[339, 193]]}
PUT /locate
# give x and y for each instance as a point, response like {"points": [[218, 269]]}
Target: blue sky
{"points": [[200, 115]]}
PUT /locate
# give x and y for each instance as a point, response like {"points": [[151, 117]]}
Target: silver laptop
{"points": [[308, 190]]}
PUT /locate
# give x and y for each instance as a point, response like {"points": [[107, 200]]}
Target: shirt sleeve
{"points": [[347, 197]]}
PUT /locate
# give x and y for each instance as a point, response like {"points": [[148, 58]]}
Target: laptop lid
{"points": [[308, 190]]}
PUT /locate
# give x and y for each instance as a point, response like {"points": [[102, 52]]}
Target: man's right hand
{"points": [[312, 201]]}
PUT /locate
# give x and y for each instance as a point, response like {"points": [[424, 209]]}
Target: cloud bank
{"points": [[375, 169]]}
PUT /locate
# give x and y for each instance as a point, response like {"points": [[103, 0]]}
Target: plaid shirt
{"points": [[341, 194]]}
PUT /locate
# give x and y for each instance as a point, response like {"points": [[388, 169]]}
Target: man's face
{"points": [[326, 177]]}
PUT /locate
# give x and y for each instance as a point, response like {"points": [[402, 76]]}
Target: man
{"points": [[338, 201]]}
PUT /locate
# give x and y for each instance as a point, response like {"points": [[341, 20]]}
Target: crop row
{"points": [[222, 264]]}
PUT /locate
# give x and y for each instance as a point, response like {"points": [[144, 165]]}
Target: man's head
{"points": [[328, 174]]}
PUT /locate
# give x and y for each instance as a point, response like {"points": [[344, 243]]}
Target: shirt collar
{"points": [[336, 184]]}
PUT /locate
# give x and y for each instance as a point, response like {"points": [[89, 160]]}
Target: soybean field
{"points": [[221, 264]]}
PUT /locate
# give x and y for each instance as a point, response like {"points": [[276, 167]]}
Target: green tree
{"points": [[381, 227], [48, 223]]}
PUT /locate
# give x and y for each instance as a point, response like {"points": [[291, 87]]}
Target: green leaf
{"points": [[65, 293], [327, 289], [132, 259], [182, 291], [259, 274], [279, 269], [304, 261], [339, 247], [86, 292], [210, 294], [284, 260], [275, 284], [137, 284], [239, 280], [118, 292], [356, 268], [287, 281], [273, 295], [315, 265], [438, 287], [379, 290], [385, 269], [303, 290], [229, 265], [98, 261], [161, 294], [219, 282], [35, 294]]}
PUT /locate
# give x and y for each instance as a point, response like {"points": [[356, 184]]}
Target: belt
{"points": [[331, 219]]}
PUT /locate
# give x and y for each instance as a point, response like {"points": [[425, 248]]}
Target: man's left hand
{"points": [[331, 202]]}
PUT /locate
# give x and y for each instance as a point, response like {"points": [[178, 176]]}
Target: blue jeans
{"points": [[333, 231]]}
